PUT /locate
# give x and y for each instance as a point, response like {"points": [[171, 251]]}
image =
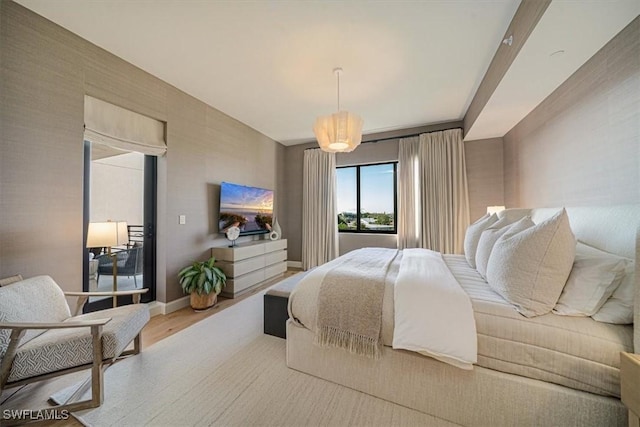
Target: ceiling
{"points": [[269, 64]]}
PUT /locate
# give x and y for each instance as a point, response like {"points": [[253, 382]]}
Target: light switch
{"points": [[182, 219]]}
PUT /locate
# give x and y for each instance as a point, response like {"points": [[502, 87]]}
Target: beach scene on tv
{"points": [[249, 208]]}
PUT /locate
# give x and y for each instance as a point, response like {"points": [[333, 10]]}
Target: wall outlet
{"points": [[182, 219]]}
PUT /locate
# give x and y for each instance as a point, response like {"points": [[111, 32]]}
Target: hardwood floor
{"points": [[163, 326]]}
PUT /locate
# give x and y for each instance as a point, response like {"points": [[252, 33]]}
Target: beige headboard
{"points": [[614, 229]]}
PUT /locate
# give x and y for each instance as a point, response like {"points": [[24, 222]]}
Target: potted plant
{"points": [[204, 282]]}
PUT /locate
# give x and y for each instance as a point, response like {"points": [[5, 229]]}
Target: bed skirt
{"points": [[479, 397]]}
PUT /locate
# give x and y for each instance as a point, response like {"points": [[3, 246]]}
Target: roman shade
{"points": [[117, 127]]}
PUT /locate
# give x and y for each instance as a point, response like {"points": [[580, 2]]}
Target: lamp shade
{"points": [[340, 132], [107, 234]]}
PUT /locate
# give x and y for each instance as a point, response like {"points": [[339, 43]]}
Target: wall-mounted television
{"points": [[249, 208]]}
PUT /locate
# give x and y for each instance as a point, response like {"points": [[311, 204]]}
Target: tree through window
{"points": [[367, 198]]}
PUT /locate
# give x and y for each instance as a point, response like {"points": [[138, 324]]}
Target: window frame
{"points": [[358, 230]]}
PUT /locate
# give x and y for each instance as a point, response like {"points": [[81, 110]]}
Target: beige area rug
{"points": [[223, 371]]}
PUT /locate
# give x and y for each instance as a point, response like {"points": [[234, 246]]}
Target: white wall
{"points": [[581, 145], [117, 189]]}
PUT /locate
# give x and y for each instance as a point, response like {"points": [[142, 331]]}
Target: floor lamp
{"points": [[106, 235]]}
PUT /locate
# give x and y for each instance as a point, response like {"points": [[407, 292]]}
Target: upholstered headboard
{"points": [[614, 229]]}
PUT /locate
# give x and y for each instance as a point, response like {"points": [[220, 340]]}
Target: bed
{"points": [[539, 370]]}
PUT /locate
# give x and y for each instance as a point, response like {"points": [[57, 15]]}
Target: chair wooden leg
{"points": [[97, 383], [7, 360]]}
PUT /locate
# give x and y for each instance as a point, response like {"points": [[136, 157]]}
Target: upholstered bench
{"points": [[276, 301]]}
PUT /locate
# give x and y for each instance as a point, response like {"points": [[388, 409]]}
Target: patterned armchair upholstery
{"points": [[39, 338]]}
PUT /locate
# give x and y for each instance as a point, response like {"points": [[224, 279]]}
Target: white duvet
{"points": [[433, 314]]}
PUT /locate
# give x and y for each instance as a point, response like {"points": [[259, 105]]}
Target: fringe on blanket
{"points": [[361, 345]]}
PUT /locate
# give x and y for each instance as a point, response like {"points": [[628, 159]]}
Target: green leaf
{"points": [[201, 279], [184, 271], [186, 282]]}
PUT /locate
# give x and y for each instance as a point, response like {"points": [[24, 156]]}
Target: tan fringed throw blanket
{"points": [[350, 302]]}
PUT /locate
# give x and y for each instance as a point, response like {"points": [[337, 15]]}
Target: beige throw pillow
{"points": [[619, 308], [530, 268], [492, 234], [594, 276], [472, 236]]}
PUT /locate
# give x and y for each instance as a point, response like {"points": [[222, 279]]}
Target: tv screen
{"points": [[249, 208]]}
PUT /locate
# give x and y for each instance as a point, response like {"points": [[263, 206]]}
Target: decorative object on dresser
{"points": [[232, 234], [204, 281], [276, 228], [247, 265]]}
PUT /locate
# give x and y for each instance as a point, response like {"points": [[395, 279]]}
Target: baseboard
{"points": [[156, 307], [294, 264]]}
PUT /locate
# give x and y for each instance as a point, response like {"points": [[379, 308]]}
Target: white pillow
{"points": [[489, 237], [472, 236], [594, 277], [619, 308], [529, 268]]}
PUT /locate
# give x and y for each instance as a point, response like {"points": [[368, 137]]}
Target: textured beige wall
{"points": [[581, 145], [45, 72], [292, 228], [484, 159]]}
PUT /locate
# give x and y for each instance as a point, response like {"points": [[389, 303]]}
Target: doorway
{"points": [[120, 186]]}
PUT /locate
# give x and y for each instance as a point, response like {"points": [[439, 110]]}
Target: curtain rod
{"points": [[394, 137]]}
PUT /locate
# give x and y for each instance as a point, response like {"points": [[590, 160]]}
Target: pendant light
{"points": [[340, 132]]}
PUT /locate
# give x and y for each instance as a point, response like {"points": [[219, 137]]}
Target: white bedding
{"points": [[432, 313], [576, 352]]}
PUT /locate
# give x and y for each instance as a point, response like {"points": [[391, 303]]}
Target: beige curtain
{"points": [[444, 196], [319, 213], [433, 200], [408, 193]]}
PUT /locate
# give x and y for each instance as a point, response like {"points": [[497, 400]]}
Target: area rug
{"points": [[224, 371]]}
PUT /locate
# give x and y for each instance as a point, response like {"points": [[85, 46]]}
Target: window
{"points": [[367, 198]]}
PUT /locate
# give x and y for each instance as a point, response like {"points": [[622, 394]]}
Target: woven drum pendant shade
{"points": [[338, 133]]}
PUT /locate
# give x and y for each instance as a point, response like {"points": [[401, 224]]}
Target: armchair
{"points": [[129, 263], [40, 339]]}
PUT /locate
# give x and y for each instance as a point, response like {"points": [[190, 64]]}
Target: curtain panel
{"points": [[433, 192], [319, 211], [408, 193]]}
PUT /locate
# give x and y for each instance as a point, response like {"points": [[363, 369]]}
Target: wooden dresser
{"points": [[249, 264]]}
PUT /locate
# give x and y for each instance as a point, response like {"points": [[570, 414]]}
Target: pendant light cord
{"points": [[337, 71], [338, 76]]}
